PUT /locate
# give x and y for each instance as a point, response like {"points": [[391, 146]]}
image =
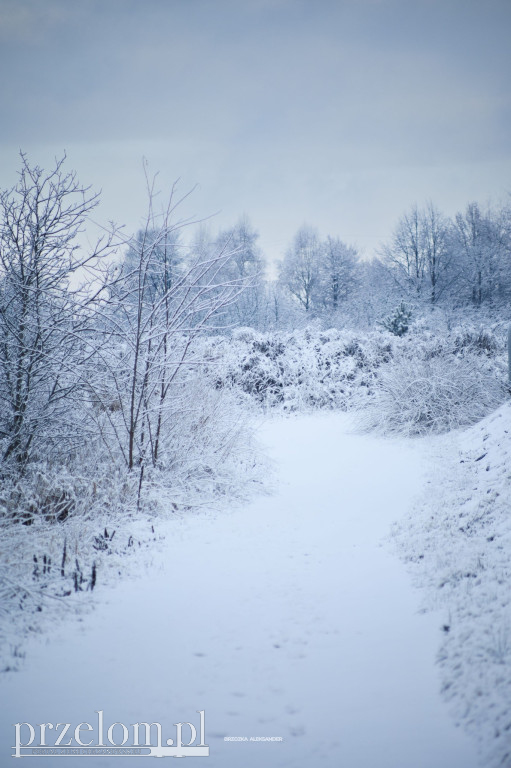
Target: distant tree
{"points": [[241, 239], [246, 263], [404, 254], [481, 243], [166, 262], [319, 275], [300, 272], [418, 254], [278, 309], [437, 254], [339, 265], [375, 294]]}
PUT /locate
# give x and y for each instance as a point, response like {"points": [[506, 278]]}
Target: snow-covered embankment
{"points": [[458, 544]]}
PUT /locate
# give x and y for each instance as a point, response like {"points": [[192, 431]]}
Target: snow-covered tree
{"points": [[246, 264], [48, 290], [339, 264], [437, 254], [300, 271], [319, 275], [151, 322], [398, 321], [481, 243], [418, 254], [166, 262]]}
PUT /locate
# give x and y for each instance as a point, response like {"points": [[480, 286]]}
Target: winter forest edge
{"points": [[133, 370]]}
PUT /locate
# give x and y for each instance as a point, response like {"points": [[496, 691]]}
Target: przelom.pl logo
{"points": [[85, 740]]}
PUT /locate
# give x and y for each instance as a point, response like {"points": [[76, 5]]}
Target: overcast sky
{"points": [[337, 113]]}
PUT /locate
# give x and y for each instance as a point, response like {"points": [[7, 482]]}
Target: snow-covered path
{"points": [[284, 618]]}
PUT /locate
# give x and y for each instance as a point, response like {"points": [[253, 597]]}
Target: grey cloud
{"points": [[268, 97]]}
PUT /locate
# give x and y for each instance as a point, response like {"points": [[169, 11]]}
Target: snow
{"points": [[457, 544], [285, 617]]}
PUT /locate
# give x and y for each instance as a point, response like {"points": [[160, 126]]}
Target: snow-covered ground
{"points": [[286, 617], [458, 544]]}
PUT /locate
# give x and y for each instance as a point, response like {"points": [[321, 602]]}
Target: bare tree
{"points": [[48, 288], [404, 255], [481, 243], [339, 268], [246, 264], [418, 254], [301, 269], [437, 254], [151, 335]]}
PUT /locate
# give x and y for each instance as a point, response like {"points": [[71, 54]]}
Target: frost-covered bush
{"points": [[303, 370], [478, 341], [418, 395], [209, 446], [423, 381]]}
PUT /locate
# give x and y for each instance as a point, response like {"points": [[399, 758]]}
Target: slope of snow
{"points": [[458, 543], [283, 618]]}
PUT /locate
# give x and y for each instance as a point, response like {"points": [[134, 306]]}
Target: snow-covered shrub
{"points": [[209, 446], [479, 341], [417, 395], [423, 381], [300, 370]]}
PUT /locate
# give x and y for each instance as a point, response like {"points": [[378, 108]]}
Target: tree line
{"points": [[430, 261]]}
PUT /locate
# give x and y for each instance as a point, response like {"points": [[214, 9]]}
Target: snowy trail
{"points": [[284, 618]]}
